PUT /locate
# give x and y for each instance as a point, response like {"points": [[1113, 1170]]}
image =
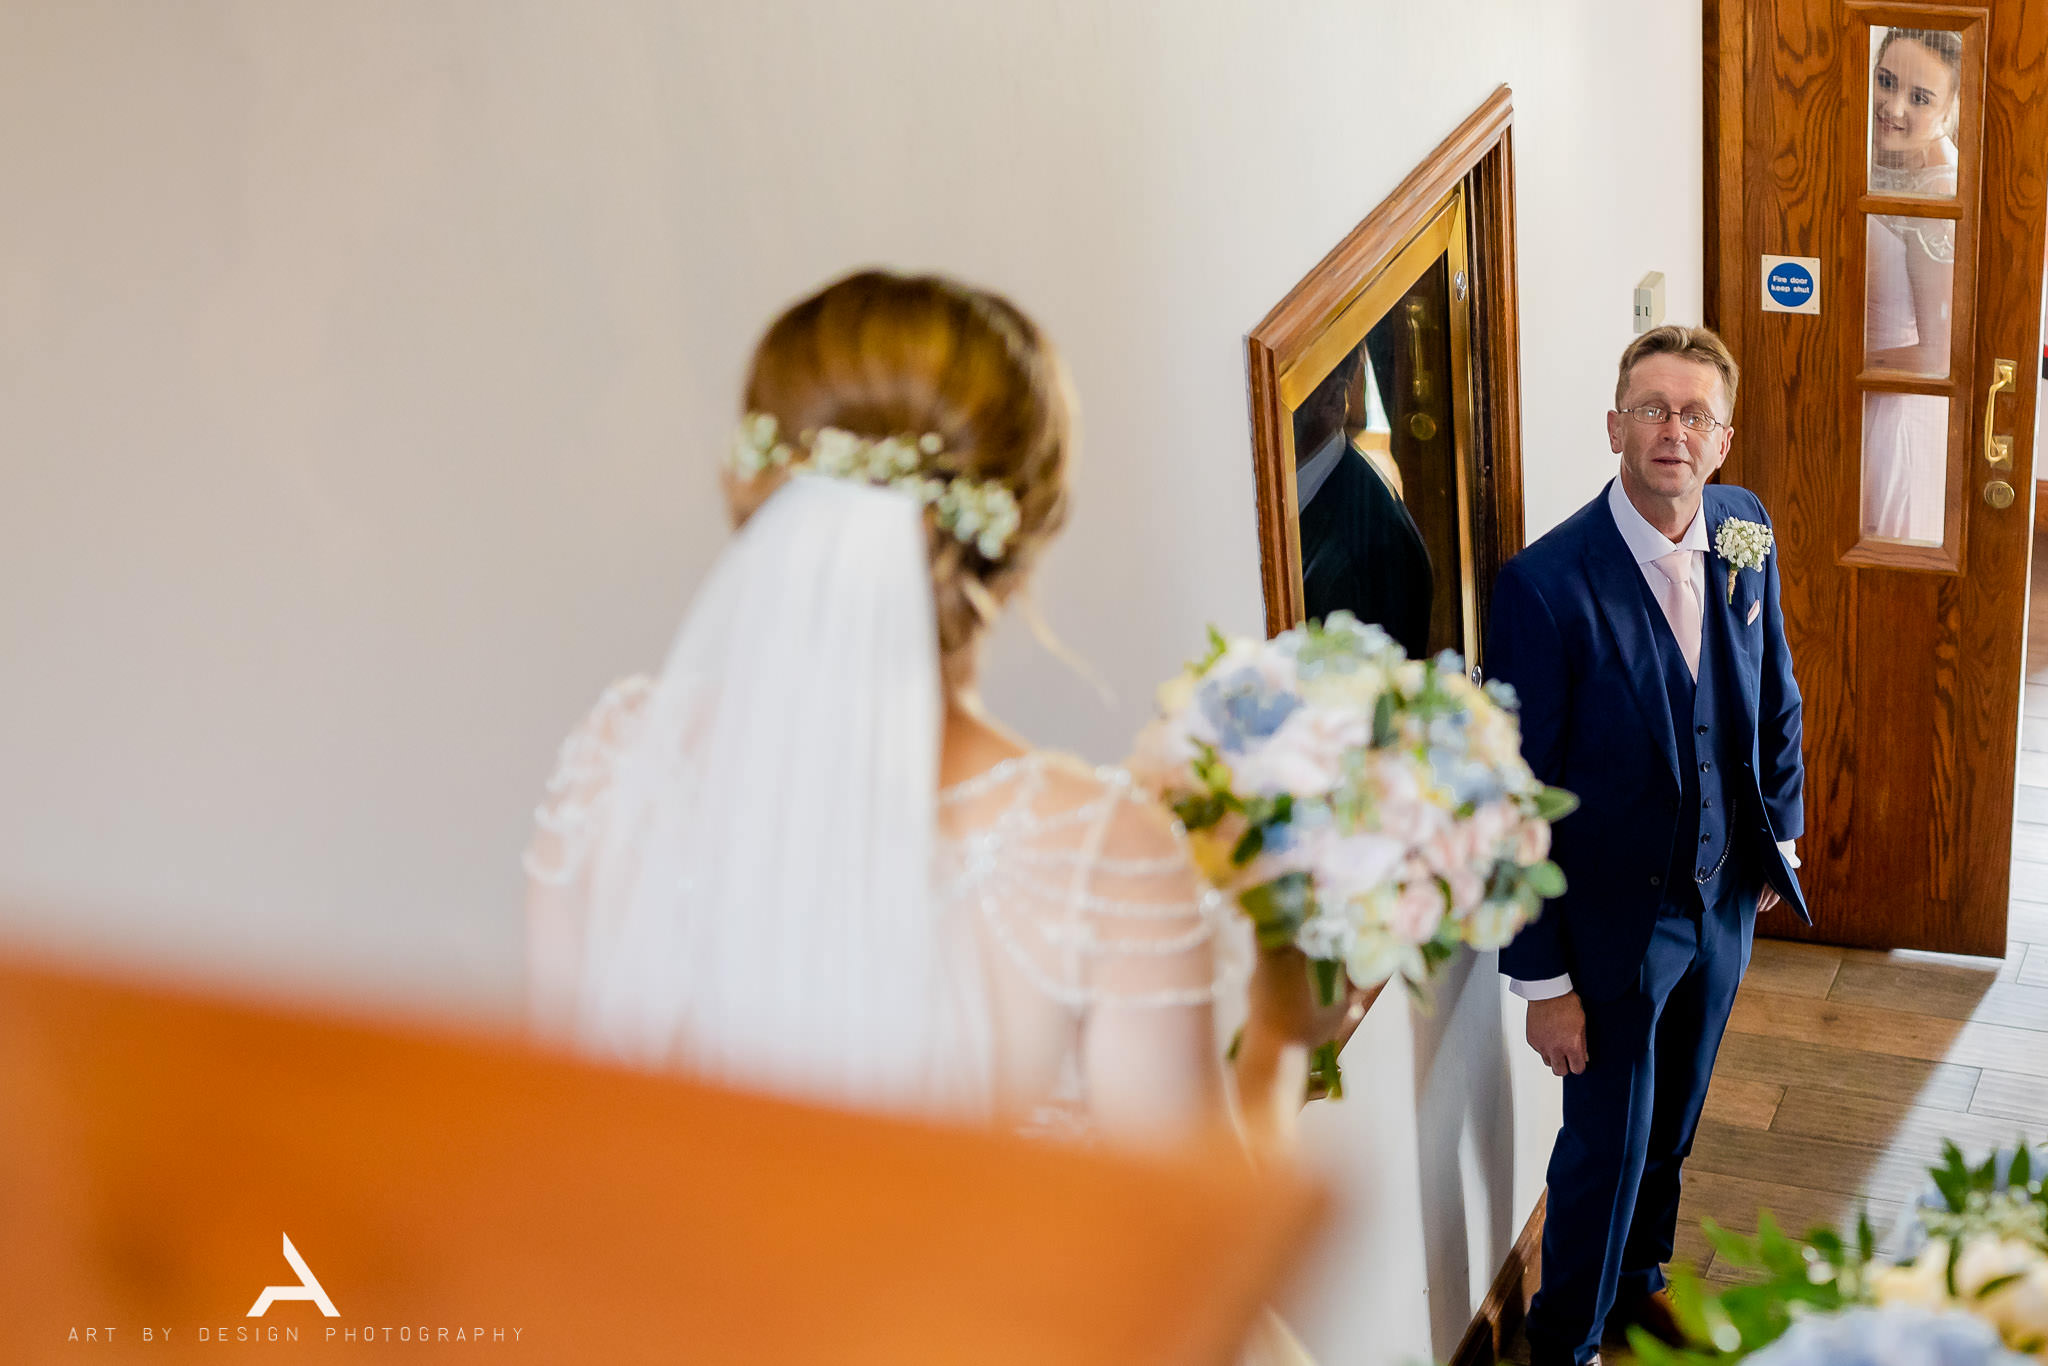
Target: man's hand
{"points": [[1767, 899], [1557, 1031]]}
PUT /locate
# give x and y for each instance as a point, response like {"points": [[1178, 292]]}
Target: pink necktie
{"points": [[1681, 603]]}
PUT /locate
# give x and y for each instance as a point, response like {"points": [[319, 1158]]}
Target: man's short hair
{"points": [[1689, 343], [1322, 412]]}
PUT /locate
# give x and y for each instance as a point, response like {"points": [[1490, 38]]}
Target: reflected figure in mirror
{"points": [[1360, 549], [1909, 281]]}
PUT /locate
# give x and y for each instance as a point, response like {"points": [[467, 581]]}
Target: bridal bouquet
{"points": [[1372, 810]]}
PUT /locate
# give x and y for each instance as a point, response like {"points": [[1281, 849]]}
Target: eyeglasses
{"points": [[1654, 415]]}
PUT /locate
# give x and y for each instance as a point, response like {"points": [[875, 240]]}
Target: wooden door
{"points": [[1881, 453]]}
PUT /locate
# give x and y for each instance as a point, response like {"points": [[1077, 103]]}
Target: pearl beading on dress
{"points": [[1033, 875]]}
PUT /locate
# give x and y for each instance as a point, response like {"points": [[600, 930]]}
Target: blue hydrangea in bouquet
{"points": [[1371, 810]]}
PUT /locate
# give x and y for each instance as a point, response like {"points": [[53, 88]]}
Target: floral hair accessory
{"points": [[977, 512], [1743, 545]]}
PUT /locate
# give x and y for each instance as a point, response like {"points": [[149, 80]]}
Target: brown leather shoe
{"points": [[1652, 1313]]}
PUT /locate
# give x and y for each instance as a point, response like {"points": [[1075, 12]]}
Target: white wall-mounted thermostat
{"points": [[1649, 302], [1791, 284]]}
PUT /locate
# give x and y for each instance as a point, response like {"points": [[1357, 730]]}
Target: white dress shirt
{"points": [[1648, 545], [1316, 470]]}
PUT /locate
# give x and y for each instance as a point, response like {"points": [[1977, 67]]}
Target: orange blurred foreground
{"points": [[157, 1148]]}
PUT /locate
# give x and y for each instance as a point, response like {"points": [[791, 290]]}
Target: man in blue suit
{"points": [[1655, 682]]}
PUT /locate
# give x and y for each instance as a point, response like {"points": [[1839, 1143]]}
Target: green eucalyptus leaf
{"points": [[1326, 980], [1199, 813], [1546, 879], [1277, 909], [1687, 1296], [1731, 1248], [1779, 1253], [1757, 1316], [1554, 803], [1998, 1283], [1952, 1177], [1383, 720]]}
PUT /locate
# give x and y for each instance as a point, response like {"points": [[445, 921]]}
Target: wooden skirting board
{"points": [[1507, 1300]]}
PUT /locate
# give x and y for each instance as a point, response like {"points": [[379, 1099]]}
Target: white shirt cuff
{"points": [[1560, 985], [1544, 990]]}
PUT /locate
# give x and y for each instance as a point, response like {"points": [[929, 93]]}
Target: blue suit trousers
{"points": [[1629, 1121]]}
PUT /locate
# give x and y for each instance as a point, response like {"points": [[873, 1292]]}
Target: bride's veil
{"points": [[752, 832]]}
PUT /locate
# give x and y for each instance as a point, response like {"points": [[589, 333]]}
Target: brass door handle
{"points": [[1418, 356], [1998, 449]]}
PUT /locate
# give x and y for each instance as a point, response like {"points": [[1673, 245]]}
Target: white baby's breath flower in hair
{"points": [[752, 445], [975, 512]]}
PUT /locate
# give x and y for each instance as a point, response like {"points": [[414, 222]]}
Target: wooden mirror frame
{"points": [[1479, 157]]}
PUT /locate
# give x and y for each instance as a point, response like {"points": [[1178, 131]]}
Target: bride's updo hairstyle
{"points": [[883, 355]]}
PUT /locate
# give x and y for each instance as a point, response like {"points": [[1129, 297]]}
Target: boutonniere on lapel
{"points": [[1743, 545]]}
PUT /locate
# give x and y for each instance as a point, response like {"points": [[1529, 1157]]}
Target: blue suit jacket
{"points": [[1571, 630]]}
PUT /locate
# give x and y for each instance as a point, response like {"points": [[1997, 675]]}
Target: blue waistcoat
{"points": [[1709, 758]]}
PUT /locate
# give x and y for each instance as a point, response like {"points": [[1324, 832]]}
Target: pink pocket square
{"points": [[1755, 610]]}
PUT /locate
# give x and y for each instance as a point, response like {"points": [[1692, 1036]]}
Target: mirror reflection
{"points": [[1376, 478]]}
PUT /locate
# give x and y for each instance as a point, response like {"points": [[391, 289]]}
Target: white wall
{"points": [[362, 369]]}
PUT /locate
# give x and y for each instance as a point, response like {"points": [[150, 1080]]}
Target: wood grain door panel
{"points": [[1911, 668]]}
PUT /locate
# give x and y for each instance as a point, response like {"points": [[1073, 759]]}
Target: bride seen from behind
{"points": [[803, 859]]}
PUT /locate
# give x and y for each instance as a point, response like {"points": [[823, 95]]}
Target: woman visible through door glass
{"points": [[1910, 275]]}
